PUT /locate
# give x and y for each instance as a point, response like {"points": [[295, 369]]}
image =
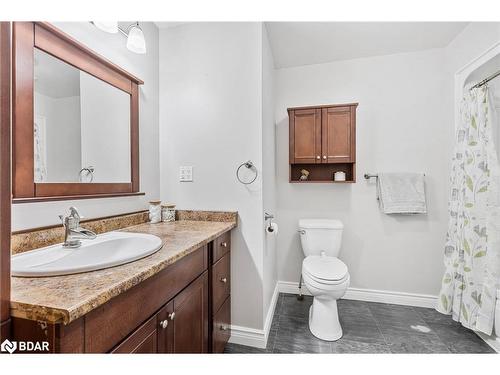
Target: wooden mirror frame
{"points": [[26, 37]]}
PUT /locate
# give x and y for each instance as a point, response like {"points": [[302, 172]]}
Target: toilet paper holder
{"points": [[269, 219]]}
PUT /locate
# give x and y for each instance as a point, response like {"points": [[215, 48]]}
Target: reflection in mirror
{"points": [[81, 125]]}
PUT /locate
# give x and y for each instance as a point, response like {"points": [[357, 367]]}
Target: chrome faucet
{"points": [[73, 232]]}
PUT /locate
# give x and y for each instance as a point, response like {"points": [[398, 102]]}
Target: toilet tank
{"points": [[320, 235]]}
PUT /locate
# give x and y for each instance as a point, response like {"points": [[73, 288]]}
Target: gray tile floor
{"points": [[368, 328]]}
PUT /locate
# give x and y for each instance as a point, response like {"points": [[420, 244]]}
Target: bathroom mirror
{"points": [[75, 119], [78, 119]]}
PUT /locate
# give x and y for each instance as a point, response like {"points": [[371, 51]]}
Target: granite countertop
{"points": [[63, 299]]}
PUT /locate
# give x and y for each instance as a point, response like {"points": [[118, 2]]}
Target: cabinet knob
{"points": [[223, 327], [223, 279], [164, 323], [318, 157], [324, 157], [224, 244], [171, 316]]}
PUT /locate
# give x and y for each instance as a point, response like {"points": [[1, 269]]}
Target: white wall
{"points": [[400, 127], [211, 119], [112, 46], [268, 168]]}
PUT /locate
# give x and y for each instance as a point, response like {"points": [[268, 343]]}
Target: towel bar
{"points": [[370, 175]]}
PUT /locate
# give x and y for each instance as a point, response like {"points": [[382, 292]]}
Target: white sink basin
{"points": [[107, 250]]}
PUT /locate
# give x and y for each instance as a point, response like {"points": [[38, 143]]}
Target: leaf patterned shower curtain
{"points": [[472, 250]]}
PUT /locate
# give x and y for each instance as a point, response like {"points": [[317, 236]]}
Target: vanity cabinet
{"points": [[185, 308], [322, 140]]}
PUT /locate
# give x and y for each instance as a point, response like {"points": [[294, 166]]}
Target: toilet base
{"points": [[324, 319]]}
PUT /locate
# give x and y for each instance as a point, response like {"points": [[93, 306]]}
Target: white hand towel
{"points": [[401, 193]]}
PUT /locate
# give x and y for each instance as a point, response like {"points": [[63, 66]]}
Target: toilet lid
{"points": [[324, 267]]}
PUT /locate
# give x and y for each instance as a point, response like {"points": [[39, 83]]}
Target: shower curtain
{"points": [[40, 150], [472, 249]]}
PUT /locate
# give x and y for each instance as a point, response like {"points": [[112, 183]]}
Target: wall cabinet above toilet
{"points": [[322, 142]]}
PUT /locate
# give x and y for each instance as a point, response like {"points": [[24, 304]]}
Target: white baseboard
{"points": [[396, 298], [248, 336], [270, 311], [370, 295], [255, 337]]}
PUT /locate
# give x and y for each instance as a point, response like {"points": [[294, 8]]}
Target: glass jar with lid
{"points": [[168, 212], [154, 212]]}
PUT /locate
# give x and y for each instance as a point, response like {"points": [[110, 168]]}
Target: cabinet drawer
{"points": [[221, 282], [142, 340], [221, 330], [222, 245]]}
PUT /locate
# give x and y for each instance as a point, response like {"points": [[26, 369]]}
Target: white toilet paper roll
{"points": [[272, 229]]}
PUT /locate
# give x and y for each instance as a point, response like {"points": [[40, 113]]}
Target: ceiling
{"points": [[305, 43], [166, 25]]}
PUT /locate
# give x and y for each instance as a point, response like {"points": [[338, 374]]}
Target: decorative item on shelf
{"points": [[154, 212], [339, 176], [167, 212], [304, 175]]}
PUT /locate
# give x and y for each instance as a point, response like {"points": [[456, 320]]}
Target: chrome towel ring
{"points": [[248, 165]]}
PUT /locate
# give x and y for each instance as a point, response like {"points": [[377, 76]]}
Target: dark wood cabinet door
{"points": [[191, 318], [142, 341], [165, 326], [337, 135], [305, 136]]}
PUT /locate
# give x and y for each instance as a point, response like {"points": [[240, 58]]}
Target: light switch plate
{"points": [[186, 174]]}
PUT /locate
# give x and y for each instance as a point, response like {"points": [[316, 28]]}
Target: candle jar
{"points": [[168, 212], [154, 212]]}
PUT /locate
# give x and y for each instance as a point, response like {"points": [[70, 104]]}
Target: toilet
{"points": [[324, 274]]}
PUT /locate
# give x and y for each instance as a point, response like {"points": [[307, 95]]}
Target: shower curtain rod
{"points": [[486, 80]]}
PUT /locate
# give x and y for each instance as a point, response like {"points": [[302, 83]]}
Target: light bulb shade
{"points": [[135, 40], [109, 27]]}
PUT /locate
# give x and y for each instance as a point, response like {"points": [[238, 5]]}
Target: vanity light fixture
{"points": [[106, 26], [135, 39], [134, 34]]}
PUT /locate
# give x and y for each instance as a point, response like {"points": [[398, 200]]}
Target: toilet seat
{"points": [[324, 269]]}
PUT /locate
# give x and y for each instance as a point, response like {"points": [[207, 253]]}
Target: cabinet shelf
{"points": [[323, 173]]}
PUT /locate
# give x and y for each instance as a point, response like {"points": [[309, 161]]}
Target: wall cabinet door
{"points": [[183, 323], [305, 137], [337, 135]]}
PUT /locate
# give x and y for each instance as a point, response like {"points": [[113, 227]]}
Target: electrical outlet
{"points": [[186, 174]]}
